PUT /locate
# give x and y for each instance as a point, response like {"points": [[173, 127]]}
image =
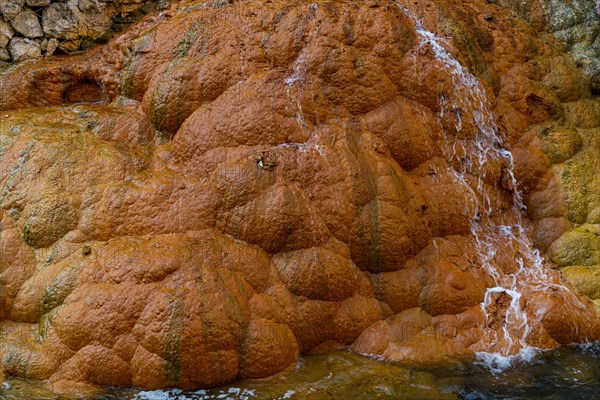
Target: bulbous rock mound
{"points": [[227, 186]]}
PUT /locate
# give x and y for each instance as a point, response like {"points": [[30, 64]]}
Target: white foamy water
{"points": [[232, 393], [484, 145], [294, 86]]}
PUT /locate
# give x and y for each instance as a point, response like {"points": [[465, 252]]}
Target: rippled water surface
{"points": [[566, 373]]}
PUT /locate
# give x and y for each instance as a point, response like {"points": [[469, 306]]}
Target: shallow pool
{"points": [[566, 373]]}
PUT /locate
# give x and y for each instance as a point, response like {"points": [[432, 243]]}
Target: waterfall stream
{"points": [[485, 145], [471, 147]]}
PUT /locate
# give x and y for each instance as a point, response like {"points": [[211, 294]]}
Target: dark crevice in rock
{"points": [[84, 91]]}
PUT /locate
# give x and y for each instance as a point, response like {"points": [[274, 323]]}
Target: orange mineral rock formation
{"points": [[228, 185]]}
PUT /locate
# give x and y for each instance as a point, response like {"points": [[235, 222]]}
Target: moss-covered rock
{"points": [[585, 278], [580, 246]]}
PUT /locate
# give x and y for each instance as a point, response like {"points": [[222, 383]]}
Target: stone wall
{"points": [[33, 28]]}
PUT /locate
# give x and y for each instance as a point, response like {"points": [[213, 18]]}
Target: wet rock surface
{"points": [[228, 185]]}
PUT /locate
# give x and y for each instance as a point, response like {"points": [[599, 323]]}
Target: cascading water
{"points": [[293, 89], [468, 160], [474, 144]]}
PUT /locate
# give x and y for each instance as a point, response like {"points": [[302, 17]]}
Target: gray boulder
{"points": [[11, 8], [38, 3], [51, 46], [6, 33], [27, 24], [59, 21], [24, 49], [4, 55]]}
